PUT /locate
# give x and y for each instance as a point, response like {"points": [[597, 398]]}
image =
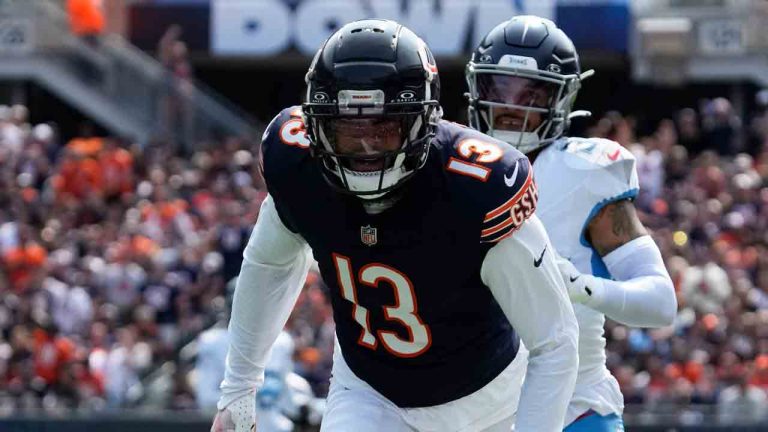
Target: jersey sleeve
{"points": [[284, 140], [607, 170], [496, 179], [284, 145], [611, 171], [512, 201]]}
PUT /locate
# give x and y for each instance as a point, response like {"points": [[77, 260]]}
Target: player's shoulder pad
{"points": [[283, 143], [490, 178], [609, 169]]}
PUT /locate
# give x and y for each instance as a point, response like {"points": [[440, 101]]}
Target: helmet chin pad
{"points": [[366, 184]]}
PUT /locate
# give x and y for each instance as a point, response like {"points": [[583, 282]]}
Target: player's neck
{"points": [[380, 205]]}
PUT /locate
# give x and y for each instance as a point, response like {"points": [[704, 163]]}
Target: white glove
{"points": [[239, 416], [582, 288]]}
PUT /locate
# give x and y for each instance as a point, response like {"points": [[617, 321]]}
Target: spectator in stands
{"points": [[51, 352], [178, 116], [86, 19], [758, 138], [117, 166], [722, 127], [23, 264], [742, 403], [689, 134], [127, 358], [705, 288], [70, 306], [12, 128]]}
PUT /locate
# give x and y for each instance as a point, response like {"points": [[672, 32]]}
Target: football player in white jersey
{"points": [[283, 398], [523, 80]]}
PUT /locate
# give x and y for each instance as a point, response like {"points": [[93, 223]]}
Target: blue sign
{"points": [[452, 28]]}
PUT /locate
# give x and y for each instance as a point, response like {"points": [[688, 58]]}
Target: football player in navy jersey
{"points": [[425, 233]]}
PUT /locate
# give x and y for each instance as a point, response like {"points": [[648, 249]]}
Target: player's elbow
{"points": [[667, 310], [560, 353], [565, 356], [663, 309]]}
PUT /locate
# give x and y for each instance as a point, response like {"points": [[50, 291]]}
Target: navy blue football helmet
{"points": [[523, 79], [372, 80]]}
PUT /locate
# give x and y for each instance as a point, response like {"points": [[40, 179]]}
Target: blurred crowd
{"points": [[704, 195], [110, 258], [113, 257]]}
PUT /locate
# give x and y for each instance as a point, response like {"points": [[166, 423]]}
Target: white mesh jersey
{"points": [[577, 177]]}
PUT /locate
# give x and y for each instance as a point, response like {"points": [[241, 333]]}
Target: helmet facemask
{"points": [[369, 149], [527, 108]]}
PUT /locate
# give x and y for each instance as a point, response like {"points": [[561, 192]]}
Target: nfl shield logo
{"points": [[368, 235]]}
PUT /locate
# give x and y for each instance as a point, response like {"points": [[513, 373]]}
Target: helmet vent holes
{"points": [[357, 30]]}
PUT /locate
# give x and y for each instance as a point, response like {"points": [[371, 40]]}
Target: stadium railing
{"points": [[112, 81]]}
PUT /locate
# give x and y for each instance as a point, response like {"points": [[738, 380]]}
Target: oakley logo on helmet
{"points": [[485, 58], [320, 97], [554, 68], [406, 96]]}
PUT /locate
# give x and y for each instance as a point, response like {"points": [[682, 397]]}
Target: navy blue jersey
{"points": [[413, 317]]}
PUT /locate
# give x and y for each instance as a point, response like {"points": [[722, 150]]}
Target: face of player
{"points": [[507, 89], [367, 139]]}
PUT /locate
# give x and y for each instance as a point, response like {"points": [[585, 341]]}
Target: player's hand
{"points": [[582, 288], [239, 416]]}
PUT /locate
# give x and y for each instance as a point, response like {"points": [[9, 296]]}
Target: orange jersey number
{"points": [[404, 311], [293, 132], [484, 152]]}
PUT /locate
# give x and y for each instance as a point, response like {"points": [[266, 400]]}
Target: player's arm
{"points": [[615, 225], [642, 294], [275, 265], [523, 276]]}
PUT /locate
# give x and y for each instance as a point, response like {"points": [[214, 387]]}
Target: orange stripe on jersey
{"points": [[493, 230], [512, 201], [503, 236]]}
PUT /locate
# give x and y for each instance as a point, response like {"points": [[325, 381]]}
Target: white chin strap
{"points": [[359, 181], [523, 141]]}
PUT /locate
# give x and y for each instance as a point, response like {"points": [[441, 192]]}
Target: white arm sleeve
{"points": [[275, 265], [536, 303], [643, 294]]}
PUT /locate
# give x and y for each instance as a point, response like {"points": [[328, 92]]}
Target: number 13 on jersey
{"points": [[405, 310]]}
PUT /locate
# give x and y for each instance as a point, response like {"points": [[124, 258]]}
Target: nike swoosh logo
{"points": [[537, 262], [573, 279], [510, 181], [614, 155]]}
